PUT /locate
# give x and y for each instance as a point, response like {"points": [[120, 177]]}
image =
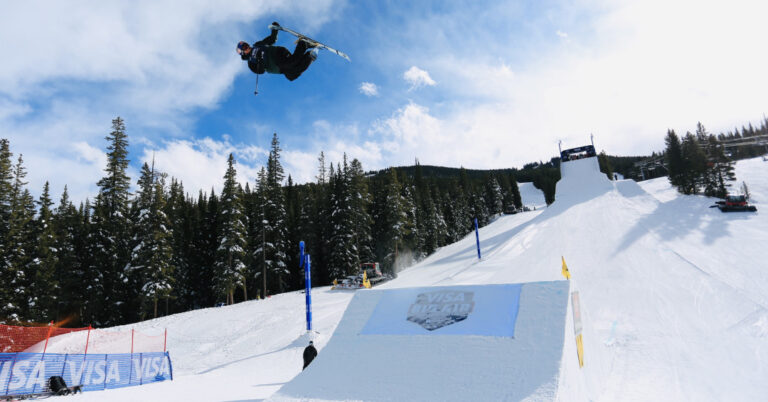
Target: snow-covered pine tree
{"points": [[69, 234], [159, 268], [150, 268], [179, 213], [259, 253], [393, 220], [441, 224], [203, 254], [494, 198], [111, 232], [360, 204], [45, 285], [517, 200], [230, 258], [275, 218], [6, 180], [20, 248], [344, 259]]}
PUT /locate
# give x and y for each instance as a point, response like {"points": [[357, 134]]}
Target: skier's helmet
{"points": [[310, 342], [242, 47]]}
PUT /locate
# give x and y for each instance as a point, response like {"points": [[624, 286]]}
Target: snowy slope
{"points": [[674, 300], [531, 196]]}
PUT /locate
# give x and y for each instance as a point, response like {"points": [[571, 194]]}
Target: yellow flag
{"points": [[366, 282], [566, 274]]}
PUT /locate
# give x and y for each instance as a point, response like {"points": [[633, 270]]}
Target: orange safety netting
{"points": [[15, 339]]}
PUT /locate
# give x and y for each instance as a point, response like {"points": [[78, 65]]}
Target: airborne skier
{"points": [[264, 57]]}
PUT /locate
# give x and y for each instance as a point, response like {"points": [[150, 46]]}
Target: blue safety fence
{"points": [[28, 373]]}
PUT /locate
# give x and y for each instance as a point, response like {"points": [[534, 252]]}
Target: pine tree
{"points": [[393, 224], [694, 164], [605, 165], [45, 285], [493, 196], [275, 219], [111, 233], [150, 268], [517, 200], [230, 255], [674, 159], [69, 235], [6, 180], [360, 204], [343, 259], [20, 248]]}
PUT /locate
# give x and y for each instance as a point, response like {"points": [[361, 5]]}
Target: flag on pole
{"points": [[566, 273]]}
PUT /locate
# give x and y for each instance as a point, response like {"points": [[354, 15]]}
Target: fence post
{"points": [[477, 237], [132, 330], [165, 340], [87, 339], [47, 337]]}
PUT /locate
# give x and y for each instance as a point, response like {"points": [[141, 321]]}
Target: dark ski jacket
{"points": [[309, 354], [262, 57]]}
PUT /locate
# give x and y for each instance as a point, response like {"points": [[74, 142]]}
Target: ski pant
{"points": [[292, 65]]}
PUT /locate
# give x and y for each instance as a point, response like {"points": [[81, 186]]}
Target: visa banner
{"points": [[489, 310], [28, 373]]}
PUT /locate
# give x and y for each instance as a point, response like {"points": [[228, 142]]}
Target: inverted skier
{"points": [[264, 57]]}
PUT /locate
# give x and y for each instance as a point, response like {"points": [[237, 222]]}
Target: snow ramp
{"points": [[580, 181], [453, 343]]}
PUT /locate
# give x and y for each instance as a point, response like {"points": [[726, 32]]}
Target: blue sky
{"points": [[480, 84]]}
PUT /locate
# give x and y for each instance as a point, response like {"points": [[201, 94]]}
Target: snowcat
{"points": [[370, 275], [735, 203]]}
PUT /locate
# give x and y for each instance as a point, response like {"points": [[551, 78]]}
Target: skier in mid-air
{"points": [[265, 57]]}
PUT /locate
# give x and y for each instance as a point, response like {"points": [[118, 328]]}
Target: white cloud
{"points": [[418, 78], [561, 34], [369, 89], [629, 74], [201, 164]]}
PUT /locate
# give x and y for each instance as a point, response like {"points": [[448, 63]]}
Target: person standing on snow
{"points": [[264, 57], [309, 354]]}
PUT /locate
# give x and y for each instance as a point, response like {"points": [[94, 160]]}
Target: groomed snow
{"points": [[674, 299]]}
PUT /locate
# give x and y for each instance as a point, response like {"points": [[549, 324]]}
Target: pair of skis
{"points": [[309, 41]]}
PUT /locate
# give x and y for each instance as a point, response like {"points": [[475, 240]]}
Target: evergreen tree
{"points": [[343, 259], [230, 255], [68, 236], [517, 200], [6, 276], [494, 199], [393, 224], [45, 285], [694, 164], [674, 159], [275, 218], [605, 165], [150, 269], [111, 233], [360, 204], [20, 248]]}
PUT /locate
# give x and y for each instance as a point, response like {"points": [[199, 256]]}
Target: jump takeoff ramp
{"points": [[457, 343]]}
